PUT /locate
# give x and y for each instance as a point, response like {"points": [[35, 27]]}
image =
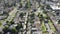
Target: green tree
{"points": [[20, 5], [39, 15], [48, 7], [59, 22], [32, 16], [19, 26], [13, 31], [31, 21], [28, 4], [21, 15], [12, 22], [1, 32], [42, 7], [6, 29], [44, 11], [0, 24]]}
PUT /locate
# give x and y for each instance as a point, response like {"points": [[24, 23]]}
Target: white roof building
{"points": [[54, 7]]}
